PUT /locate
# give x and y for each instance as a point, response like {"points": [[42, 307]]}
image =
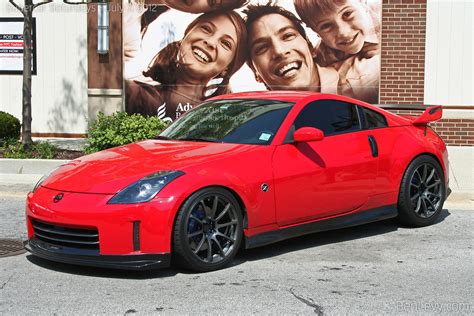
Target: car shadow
{"points": [[324, 238], [260, 253], [442, 216]]}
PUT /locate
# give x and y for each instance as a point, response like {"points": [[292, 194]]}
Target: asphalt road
{"points": [[378, 268]]}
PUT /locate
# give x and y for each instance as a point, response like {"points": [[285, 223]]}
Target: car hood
{"points": [[109, 171]]}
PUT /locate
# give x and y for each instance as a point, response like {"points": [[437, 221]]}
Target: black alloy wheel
{"points": [[422, 192], [208, 230]]}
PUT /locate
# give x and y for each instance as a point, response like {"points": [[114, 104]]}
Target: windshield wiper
{"points": [[197, 139], [161, 137]]}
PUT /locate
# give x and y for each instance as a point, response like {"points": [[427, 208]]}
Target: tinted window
{"points": [[231, 121], [374, 119], [330, 116]]}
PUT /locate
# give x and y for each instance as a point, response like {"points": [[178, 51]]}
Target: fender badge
{"points": [[58, 197], [264, 187]]}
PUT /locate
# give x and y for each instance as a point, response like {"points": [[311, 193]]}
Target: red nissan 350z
{"points": [[240, 170]]}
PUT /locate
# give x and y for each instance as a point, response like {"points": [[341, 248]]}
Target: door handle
{"points": [[373, 146]]}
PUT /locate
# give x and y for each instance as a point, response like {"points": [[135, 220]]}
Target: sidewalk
{"points": [[26, 172]]}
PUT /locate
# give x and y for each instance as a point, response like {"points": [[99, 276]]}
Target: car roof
{"points": [[282, 95]]}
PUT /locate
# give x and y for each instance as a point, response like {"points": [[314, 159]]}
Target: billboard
{"points": [[11, 46], [179, 53]]}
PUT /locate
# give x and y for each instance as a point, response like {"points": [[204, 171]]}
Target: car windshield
{"points": [[230, 121]]}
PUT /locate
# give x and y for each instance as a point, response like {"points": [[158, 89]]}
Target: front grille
{"points": [[65, 236]]}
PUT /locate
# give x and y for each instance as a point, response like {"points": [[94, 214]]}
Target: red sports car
{"points": [[240, 170]]}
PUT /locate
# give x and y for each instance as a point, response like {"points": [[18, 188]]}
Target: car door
{"points": [[385, 140], [324, 178]]}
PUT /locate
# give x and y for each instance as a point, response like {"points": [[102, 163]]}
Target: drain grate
{"points": [[11, 247]]}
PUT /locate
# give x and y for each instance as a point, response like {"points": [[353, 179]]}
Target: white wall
{"points": [[449, 59], [59, 99]]}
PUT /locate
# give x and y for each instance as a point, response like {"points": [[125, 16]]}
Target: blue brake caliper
{"points": [[194, 225]]}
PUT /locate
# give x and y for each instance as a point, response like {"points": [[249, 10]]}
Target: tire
{"points": [[422, 192], [208, 230]]}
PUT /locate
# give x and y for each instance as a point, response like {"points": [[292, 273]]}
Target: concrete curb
{"points": [[10, 179], [26, 171], [28, 166]]}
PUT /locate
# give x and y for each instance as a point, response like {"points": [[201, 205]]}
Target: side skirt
{"points": [[354, 219]]}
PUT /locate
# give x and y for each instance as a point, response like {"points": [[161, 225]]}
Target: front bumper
{"points": [[134, 236], [88, 258]]}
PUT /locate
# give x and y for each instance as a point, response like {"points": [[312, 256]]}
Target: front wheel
{"points": [[422, 192], [207, 230]]}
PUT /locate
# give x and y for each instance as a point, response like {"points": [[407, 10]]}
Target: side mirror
{"points": [[308, 134]]}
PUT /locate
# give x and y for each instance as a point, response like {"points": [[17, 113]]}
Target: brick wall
{"points": [[403, 63], [456, 132], [403, 51]]}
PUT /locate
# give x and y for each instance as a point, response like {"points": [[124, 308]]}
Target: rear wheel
{"points": [[208, 230], [422, 192]]}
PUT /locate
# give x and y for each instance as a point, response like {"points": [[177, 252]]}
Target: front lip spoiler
{"points": [[73, 256]]}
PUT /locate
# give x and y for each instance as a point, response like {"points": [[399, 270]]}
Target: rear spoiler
{"points": [[430, 114]]}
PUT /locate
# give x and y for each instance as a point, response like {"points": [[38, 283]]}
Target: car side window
{"points": [[373, 119], [331, 116]]}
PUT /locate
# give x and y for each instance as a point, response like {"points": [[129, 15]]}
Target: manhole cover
{"points": [[11, 247]]}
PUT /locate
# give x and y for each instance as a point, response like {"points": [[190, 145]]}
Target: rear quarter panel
{"points": [[398, 146]]}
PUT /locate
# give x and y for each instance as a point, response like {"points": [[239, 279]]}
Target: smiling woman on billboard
{"points": [[213, 48]]}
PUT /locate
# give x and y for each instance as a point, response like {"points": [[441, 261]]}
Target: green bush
{"points": [[44, 149], [120, 129], [9, 126]]}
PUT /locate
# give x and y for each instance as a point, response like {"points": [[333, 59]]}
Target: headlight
{"points": [[146, 188]]}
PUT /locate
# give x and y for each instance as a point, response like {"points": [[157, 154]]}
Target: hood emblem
{"points": [[58, 197]]}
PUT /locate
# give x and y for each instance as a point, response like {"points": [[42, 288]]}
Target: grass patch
{"points": [[14, 149]]}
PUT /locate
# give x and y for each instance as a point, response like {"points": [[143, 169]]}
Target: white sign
{"points": [[11, 46]]}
